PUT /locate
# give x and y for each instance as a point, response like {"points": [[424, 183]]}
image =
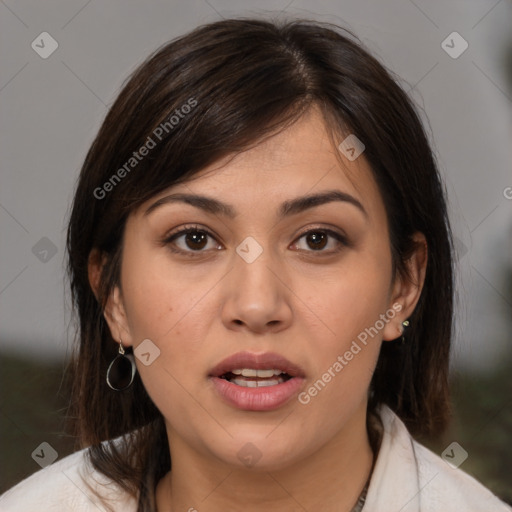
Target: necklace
{"points": [[375, 431], [358, 507]]}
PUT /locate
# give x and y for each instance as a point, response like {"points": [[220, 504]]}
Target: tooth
{"points": [[271, 382], [249, 372], [264, 374], [240, 381]]}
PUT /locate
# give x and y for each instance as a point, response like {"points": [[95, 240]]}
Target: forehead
{"points": [[301, 159]]}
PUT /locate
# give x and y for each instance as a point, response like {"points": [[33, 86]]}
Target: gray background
{"points": [[50, 110]]}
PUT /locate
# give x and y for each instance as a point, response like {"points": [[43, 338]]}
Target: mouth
{"points": [[252, 378], [257, 382]]}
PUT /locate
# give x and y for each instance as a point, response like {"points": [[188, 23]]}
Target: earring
{"points": [[405, 324], [121, 371]]}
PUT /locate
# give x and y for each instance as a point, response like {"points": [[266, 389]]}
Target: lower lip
{"points": [[257, 399]]}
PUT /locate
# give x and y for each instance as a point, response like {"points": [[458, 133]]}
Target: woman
{"points": [[261, 262]]}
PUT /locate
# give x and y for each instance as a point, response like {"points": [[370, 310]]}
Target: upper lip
{"points": [[263, 361]]}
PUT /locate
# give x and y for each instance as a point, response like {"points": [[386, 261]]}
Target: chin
{"points": [[260, 451]]}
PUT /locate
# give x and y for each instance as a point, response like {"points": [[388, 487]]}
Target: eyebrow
{"points": [[288, 208]]}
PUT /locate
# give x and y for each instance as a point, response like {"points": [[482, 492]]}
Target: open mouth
{"points": [[256, 382], [253, 378]]}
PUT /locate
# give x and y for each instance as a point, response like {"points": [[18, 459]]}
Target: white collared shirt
{"points": [[407, 477]]}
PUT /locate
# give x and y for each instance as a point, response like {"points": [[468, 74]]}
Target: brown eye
{"points": [[316, 240], [191, 240], [196, 240], [322, 241]]}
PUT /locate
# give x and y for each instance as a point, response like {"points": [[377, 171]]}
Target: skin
{"points": [[292, 299]]}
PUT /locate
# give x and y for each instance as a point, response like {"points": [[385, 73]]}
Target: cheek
{"points": [[349, 304], [170, 308], [350, 298], [159, 298], [163, 308]]}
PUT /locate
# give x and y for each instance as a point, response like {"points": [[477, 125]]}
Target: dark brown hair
{"points": [[247, 79]]}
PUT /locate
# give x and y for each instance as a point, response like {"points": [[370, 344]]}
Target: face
{"points": [[262, 282]]}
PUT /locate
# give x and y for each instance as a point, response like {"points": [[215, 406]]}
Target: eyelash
{"points": [[168, 240]]}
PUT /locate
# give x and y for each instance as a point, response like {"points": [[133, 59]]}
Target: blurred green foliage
{"points": [[33, 402]]}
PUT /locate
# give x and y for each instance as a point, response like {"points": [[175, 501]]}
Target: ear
{"points": [[114, 311], [407, 289]]}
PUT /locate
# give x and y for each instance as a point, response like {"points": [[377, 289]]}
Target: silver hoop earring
{"points": [[121, 371]]}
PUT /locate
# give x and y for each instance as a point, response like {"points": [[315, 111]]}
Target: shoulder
{"points": [[409, 476], [68, 484], [448, 484]]}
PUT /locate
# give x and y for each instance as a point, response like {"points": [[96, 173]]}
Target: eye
{"points": [[191, 239], [321, 240]]}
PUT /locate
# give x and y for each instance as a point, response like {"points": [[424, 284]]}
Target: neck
{"points": [[330, 479]]}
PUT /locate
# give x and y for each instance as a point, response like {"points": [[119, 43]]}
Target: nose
{"points": [[256, 297]]}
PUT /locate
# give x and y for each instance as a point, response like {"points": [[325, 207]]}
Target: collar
{"points": [[395, 481]]}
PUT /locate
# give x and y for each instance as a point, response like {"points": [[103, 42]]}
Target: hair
{"points": [[245, 80]]}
